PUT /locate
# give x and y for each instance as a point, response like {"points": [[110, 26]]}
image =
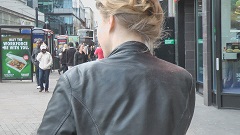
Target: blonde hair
{"points": [[144, 17], [65, 46]]}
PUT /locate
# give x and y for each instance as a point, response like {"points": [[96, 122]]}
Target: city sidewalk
{"points": [[208, 120], [22, 108]]}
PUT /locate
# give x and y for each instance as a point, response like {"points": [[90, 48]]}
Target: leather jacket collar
{"points": [[130, 46]]}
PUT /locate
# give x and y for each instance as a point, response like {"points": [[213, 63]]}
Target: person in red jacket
{"points": [[99, 53]]}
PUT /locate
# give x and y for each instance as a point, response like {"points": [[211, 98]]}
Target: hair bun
{"points": [[144, 17]]}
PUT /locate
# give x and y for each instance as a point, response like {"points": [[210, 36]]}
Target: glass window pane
{"points": [[231, 46]]}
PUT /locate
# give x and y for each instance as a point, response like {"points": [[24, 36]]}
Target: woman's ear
{"points": [[111, 23]]}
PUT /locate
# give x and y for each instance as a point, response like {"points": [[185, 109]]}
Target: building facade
{"points": [[222, 44], [32, 3], [22, 15], [207, 35], [64, 16], [89, 16]]}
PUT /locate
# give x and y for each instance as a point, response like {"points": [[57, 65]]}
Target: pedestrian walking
{"points": [[45, 62], [79, 56], [92, 55], [70, 55], [99, 52], [35, 62], [129, 92], [76, 45], [63, 59], [86, 50]]}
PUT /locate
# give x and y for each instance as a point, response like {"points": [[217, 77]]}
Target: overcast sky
{"points": [[89, 3]]}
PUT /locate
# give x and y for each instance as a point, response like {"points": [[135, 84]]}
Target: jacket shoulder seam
{"points": [[93, 120], [186, 107], [62, 122], [67, 114]]}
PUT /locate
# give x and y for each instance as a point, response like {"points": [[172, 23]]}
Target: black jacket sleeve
{"points": [[58, 118], [186, 116], [75, 59], [85, 58]]}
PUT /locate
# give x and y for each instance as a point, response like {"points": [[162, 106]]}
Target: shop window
{"points": [[230, 46], [45, 6]]}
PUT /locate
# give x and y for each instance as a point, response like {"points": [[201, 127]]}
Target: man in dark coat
{"points": [[70, 55], [63, 59], [35, 62]]}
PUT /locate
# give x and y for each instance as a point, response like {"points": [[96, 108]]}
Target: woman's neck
{"points": [[131, 36]]}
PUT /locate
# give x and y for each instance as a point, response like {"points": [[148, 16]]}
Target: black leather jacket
{"points": [[70, 56], [64, 57], [128, 93], [79, 58]]}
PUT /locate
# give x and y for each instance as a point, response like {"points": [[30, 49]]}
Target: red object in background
{"points": [[176, 0], [25, 57]]}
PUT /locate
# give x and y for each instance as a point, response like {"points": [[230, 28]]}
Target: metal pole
{"points": [[170, 8], [36, 10], [1, 54], [31, 50]]}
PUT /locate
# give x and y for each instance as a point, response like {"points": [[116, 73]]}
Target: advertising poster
{"points": [[61, 42], [16, 57], [37, 37], [73, 39], [235, 15]]}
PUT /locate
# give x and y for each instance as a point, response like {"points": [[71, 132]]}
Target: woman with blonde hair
{"points": [[129, 92], [63, 59]]}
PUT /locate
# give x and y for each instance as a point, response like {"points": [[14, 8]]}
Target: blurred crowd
{"points": [[71, 55]]}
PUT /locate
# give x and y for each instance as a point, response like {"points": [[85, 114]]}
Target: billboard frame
{"points": [[20, 27]]}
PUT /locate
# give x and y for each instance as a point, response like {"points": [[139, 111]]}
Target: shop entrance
{"points": [[228, 54]]}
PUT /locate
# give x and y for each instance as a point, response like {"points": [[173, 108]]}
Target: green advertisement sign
{"points": [[16, 57], [73, 39]]}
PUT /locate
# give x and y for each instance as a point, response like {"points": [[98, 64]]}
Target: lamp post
{"points": [[36, 12], [46, 32]]}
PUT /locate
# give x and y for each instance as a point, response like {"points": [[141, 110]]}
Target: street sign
{"points": [[169, 42], [200, 41]]}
